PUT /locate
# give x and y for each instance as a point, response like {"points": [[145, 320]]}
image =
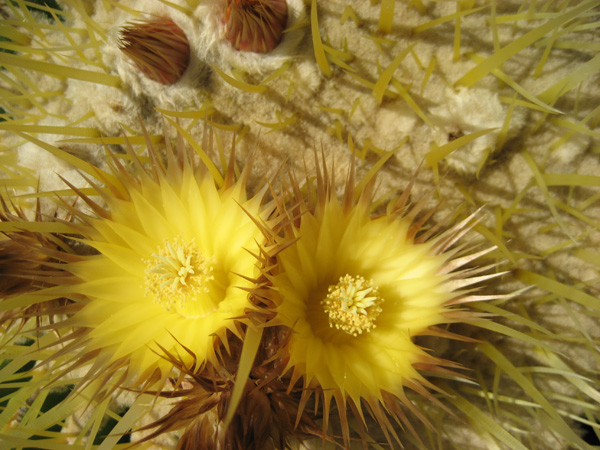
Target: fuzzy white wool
{"points": [[48, 166], [466, 111]]}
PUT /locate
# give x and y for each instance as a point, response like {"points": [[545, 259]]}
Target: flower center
{"points": [[177, 274], [352, 304]]}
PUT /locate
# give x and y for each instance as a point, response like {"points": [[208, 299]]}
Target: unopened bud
{"points": [[158, 47], [255, 25]]}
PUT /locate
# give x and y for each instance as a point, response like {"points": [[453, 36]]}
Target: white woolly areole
{"points": [[48, 167], [467, 111]]}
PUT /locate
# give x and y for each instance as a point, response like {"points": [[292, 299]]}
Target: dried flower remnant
{"points": [[266, 417], [158, 47], [23, 256], [29, 261], [255, 25]]}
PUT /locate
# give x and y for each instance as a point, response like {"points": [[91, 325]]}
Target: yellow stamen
{"points": [[178, 273], [353, 304]]}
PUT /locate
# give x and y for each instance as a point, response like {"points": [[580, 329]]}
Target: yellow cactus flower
{"points": [[174, 262], [356, 289]]}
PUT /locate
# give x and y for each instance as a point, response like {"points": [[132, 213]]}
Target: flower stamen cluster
{"points": [[352, 305], [177, 273]]}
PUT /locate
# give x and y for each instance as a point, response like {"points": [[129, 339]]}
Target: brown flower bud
{"points": [[255, 25], [158, 47]]}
